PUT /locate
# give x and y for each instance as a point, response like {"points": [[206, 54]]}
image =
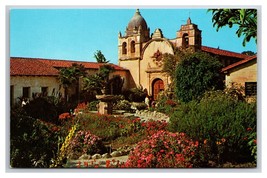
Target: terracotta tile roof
{"points": [[223, 52], [28, 66], [47, 67], [67, 63], [250, 58]]}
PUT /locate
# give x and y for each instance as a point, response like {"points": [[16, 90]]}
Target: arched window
{"points": [[185, 40], [132, 47], [124, 48]]}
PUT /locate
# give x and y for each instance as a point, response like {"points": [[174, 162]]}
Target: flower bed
{"points": [[163, 150]]}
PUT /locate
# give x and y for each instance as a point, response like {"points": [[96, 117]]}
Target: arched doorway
{"points": [[157, 86]]}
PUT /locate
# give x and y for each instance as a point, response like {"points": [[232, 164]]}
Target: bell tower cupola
{"points": [[136, 34], [189, 36]]}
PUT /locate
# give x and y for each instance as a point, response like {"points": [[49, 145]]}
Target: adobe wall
{"points": [[35, 83], [242, 74], [151, 67]]}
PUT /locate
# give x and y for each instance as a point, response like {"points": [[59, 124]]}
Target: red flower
{"points": [[85, 164], [107, 163], [64, 116], [249, 129]]}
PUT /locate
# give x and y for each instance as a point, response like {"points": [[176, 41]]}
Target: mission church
{"points": [[141, 53], [139, 62]]}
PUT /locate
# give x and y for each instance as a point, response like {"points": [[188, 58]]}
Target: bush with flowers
{"points": [[163, 150], [220, 121], [108, 127], [150, 127], [64, 116], [84, 142]]}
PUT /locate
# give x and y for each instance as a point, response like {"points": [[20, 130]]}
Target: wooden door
{"points": [[157, 87]]}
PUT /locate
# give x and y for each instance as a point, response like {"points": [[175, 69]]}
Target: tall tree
{"points": [[170, 62], [245, 19], [69, 77], [100, 58], [98, 81], [195, 74]]}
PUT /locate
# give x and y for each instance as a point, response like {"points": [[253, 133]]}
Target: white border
{"points": [[120, 4]]}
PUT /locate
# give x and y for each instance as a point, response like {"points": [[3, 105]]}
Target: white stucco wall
{"points": [[35, 83]]}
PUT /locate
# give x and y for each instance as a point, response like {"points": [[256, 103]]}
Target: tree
{"points": [[69, 77], [33, 142], [195, 74], [170, 62], [245, 19], [99, 81], [100, 58], [250, 53]]}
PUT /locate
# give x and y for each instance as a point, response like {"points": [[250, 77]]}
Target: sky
{"points": [[76, 34]]}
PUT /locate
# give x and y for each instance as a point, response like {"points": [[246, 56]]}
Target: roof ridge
{"points": [[249, 58], [240, 55], [63, 60]]}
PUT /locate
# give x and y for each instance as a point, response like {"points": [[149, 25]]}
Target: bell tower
{"points": [[136, 33], [131, 43], [189, 36]]}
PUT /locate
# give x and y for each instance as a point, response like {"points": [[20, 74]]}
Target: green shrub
{"points": [[165, 104], [195, 74], [122, 105], [33, 142], [219, 121], [139, 105], [92, 106], [135, 94], [107, 127]]}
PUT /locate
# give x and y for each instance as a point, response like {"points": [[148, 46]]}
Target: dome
{"points": [[136, 21]]}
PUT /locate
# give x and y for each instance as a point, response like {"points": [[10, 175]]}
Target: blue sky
{"points": [[76, 34]]}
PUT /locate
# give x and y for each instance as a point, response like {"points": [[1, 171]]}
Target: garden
{"points": [[208, 127], [193, 138]]}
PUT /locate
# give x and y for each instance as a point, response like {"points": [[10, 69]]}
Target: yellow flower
{"points": [[218, 143], [205, 141]]}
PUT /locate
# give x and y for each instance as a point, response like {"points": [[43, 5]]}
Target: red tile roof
{"points": [[250, 58], [223, 52], [39, 66], [28, 66]]}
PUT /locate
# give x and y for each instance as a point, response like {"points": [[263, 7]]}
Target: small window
{"points": [[132, 47], [12, 95], [124, 48], [44, 91], [26, 92], [251, 88], [185, 40]]}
